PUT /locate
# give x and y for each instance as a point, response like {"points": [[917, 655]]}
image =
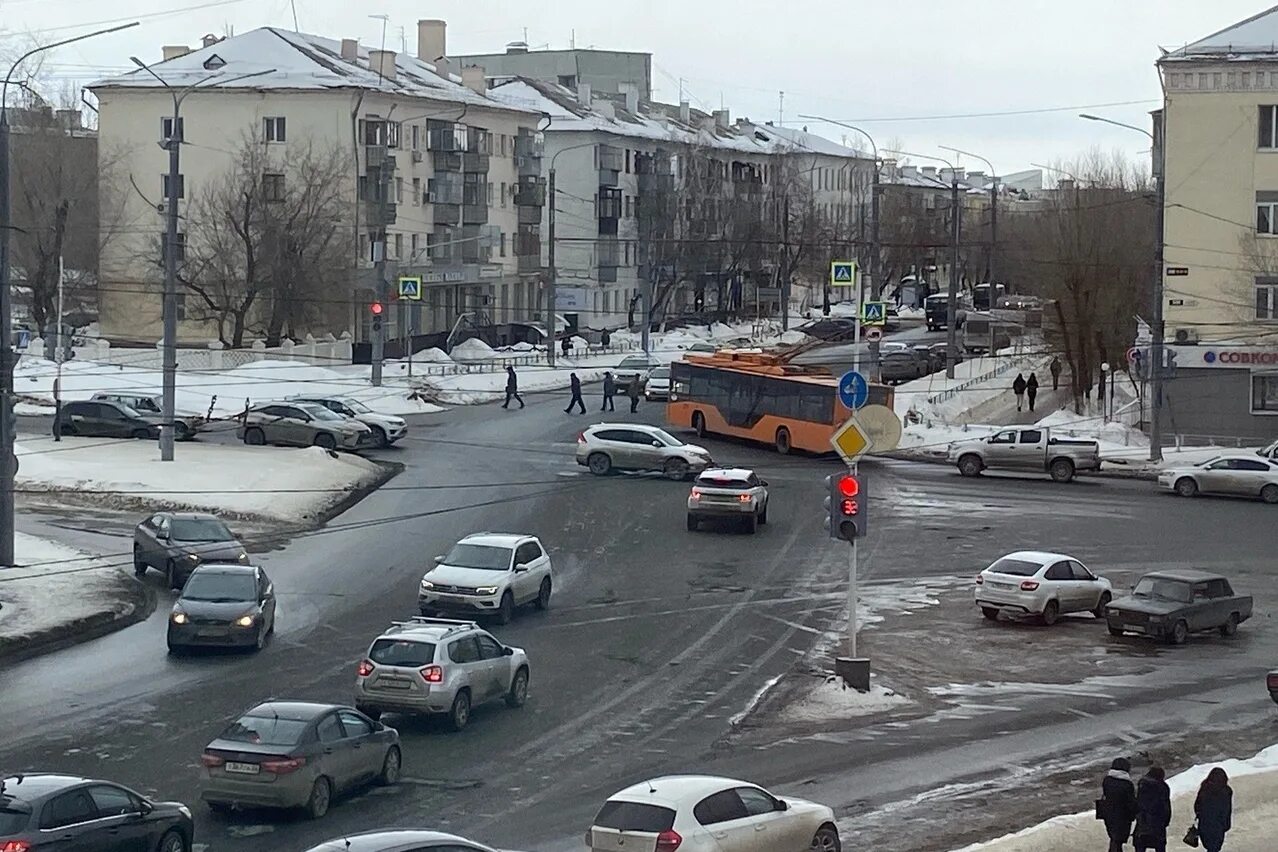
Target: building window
{"points": [[399, 190], [412, 247], [488, 194], [630, 206], [417, 191], [273, 129], [166, 129], [273, 187], [181, 248], [416, 137], [627, 161], [181, 186], [1268, 132], [503, 244], [399, 246], [364, 250], [1264, 393], [1267, 298], [1267, 217]]}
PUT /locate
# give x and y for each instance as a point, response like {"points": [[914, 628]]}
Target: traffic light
{"points": [[376, 310], [845, 507]]}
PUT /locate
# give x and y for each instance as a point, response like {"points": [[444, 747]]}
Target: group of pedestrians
{"points": [[1025, 388], [576, 401], [1142, 811]]}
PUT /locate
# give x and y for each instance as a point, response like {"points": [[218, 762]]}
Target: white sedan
{"points": [[1043, 585], [698, 813], [1239, 475]]}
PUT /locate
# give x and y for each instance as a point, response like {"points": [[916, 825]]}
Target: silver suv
{"points": [[606, 447], [437, 666], [728, 494]]}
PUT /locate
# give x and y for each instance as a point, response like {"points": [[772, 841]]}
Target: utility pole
{"points": [[951, 326], [785, 263], [552, 274], [379, 261], [876, 282], [57, 359], [169, 379]]}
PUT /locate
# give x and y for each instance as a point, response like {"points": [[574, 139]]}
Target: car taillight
{"points": [[696, 494], [581, 437], [211, 760], [432, 674], [16, 846], [668, 841], [365, 668], [980, 578], [1272, 681], [745, 498], [1029, 585], [284, 765]]}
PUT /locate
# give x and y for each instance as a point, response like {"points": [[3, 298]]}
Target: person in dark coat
{"points": [[512, 389], [1118, 803], [1031, 390], [1153, 812], [605, 337], [566, 346], [1213, 808], [610, 388], [633, 392], [576, 395], [1018, 388], [1056, 372]]}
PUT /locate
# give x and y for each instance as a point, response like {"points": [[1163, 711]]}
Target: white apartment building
{"points": [[451, 156]]}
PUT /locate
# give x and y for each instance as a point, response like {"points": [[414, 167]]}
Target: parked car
{"points": [[40, 811], [105, 419], [223, 606], [934, 355], [489, 574], [178, 542], [185, 423], [387, 429], [606, 447], [901, 365], [732, 494], [1170, 605], [658, 384], [302, 424], [1271, 682], [694, 813], [1270, 452], [297, 754], [936, 310], [829, 329], [702, 348], [1026, 450], [1041, 585], [634, 365], [400, 840], [1241, 475], [439, 666]]}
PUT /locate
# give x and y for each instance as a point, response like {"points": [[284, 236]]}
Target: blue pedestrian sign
{"points": [[842, 273], [410, 287], [854, 390], [874, 313]]}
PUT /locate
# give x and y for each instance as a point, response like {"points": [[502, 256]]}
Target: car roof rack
{"points": [[452, 624]]}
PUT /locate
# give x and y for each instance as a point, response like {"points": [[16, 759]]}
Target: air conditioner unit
{"points": [[429, 197], [1186, 336], [417, 156]]}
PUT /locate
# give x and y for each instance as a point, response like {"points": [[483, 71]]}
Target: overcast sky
{"points": [[864, 62]]}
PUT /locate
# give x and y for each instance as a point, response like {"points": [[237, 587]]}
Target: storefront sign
{"points": [[1228, 358]]}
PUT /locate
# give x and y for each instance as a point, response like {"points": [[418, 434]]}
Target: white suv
{"points": [[1045, 585], [733, 494], [488, 573], [387, 429], [606, 447]]}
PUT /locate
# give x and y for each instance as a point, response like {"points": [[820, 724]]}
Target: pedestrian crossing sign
{"points": [[874, 313], [843, 273], [410, 287]]}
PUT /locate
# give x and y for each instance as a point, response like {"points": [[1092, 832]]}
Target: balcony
{"points": [[444, 191], [610, 158], [474, 163], [656, 183], [443, 137], [378, 214], [447, 214], [530, 193], [530, 145], [608, 258], [379, 157], [750, 192], [446, 161], [529, 215], [474, 214], [609, 204], [528, 263]]}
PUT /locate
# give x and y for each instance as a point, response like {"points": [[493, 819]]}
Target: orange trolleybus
{"points": [[761, 397]]}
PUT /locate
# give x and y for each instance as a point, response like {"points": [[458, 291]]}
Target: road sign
{"points": [[854, 390], [874, 334], [1177, 271], [881, 425], [843, 273], [873, 313], [851, 442], [410, 287]]}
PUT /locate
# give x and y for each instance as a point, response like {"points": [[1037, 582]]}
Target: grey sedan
{"points": [[302, 424], [296, 754], [225, 606], [177, 542]]}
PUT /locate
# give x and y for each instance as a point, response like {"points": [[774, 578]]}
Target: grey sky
{"points": [[846, 59]]}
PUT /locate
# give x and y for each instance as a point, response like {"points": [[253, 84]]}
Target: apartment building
{"points": [[434, 163], [1220, 133]]}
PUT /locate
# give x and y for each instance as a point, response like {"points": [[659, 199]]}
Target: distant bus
{"points": [[981, 296], [752, 396]]}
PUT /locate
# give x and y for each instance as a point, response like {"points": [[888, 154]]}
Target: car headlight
{"points": [[184, 811], [193, 558], [486, 590], [246, 621], [427, 584], [243, 557], [179, 617]]}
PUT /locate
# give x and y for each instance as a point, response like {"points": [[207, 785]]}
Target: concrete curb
{"points": [[135, 604]]}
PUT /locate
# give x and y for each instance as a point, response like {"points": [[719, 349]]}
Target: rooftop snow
{"points": [[1255, 35]]}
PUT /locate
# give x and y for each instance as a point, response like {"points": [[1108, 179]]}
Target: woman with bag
{"points": [[1213, 810], [1153, 811], [1117, 804]]}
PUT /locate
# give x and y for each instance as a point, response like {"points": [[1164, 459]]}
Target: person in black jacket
{"points": [[609, 388], [1018, 388], [1213, 808], [1118, 803], [512, 389], [1153, 812], [576, 395], [1031, 390]]}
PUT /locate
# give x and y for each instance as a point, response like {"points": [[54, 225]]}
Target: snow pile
{"points": [[830, 700], [1113, 436], [1255, 784], [433, 355], [294, 486], [473, 349], [968, 392]]}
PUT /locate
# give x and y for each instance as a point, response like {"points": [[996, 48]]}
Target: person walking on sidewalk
{"points": [[633, 392], [1056, 373], [1153, 812], [1018, 388], [1117, 804], [610, 388], [1213, 808], [512, 388], [1031, 390], [576, 394]]}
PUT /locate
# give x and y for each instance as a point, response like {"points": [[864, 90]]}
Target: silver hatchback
{"points": [[439, 666], [606, 447]]}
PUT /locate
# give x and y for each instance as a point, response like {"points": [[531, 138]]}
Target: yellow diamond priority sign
{"points": [[851, 442]]}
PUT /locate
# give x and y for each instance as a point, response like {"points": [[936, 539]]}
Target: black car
{"points": [[229, 606], [73, 814], [105, 419], [178, 542]]}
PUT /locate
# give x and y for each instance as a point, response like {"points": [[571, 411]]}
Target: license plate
{"points": [[451, 598], [242, 768], [1002, 585], [393, 684], [210, 633]]}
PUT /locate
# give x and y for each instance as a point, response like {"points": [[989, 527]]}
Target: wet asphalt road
{"points": [[657, 638]]}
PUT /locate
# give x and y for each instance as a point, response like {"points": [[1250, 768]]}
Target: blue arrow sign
{"points": [[854, 390]]}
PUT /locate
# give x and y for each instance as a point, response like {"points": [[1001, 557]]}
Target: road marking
{"points": [[1081, 713]]}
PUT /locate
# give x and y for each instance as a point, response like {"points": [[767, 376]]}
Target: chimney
{"points": [[443, 67], [929, 171], [431, 42], [1065, 185], [631, 93], [583, 94], [517, 47], [382, 63], [350, 49], [173, 51], [976, 178], [909, 171], [473, 78], [722, 119], [209, 40], [685, 112]]}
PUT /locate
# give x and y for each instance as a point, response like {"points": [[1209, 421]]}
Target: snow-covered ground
{"points": [[1255, 784], [967, 392], [478, 388], [57, 585], [828, 699], [293, 486]]}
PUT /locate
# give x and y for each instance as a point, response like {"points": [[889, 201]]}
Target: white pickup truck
{"points": [[1031, 449]]}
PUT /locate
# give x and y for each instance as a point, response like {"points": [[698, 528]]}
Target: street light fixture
{"points": [[552, 272]]}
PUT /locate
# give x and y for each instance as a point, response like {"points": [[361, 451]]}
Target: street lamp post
{"points": [[993, 212], [8, 358], [552, 272], [1156, 345]]}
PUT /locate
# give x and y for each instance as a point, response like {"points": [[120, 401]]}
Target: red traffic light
{"points": [[848, 507], [849, 486], [376, 309]]}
